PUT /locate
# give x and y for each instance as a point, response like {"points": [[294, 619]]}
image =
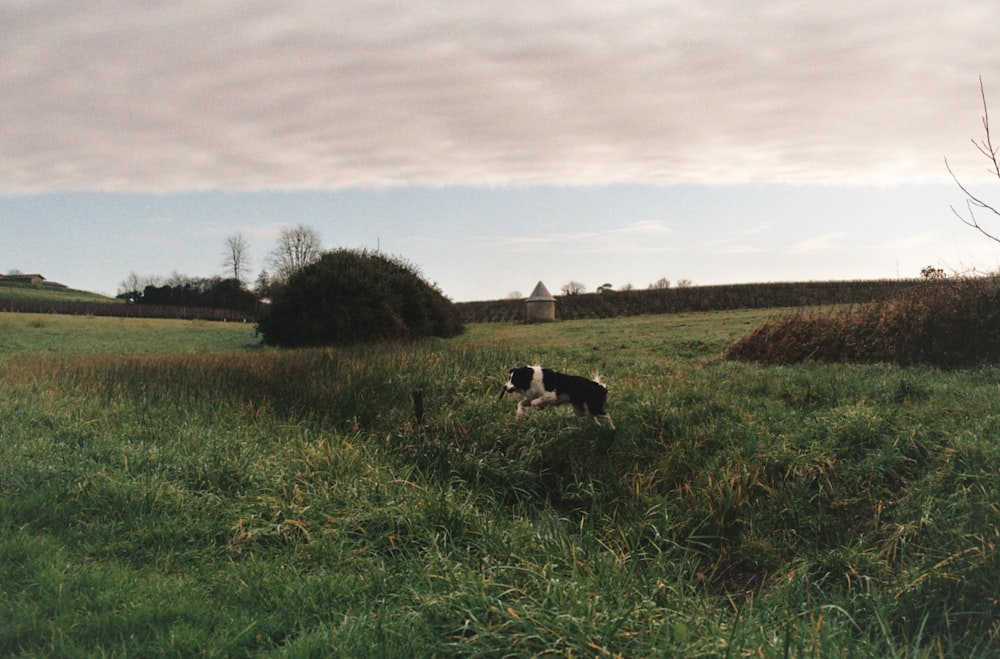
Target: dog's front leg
{"points": [[520, 408]]}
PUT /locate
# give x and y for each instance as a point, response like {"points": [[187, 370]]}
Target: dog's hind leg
{"points": [[611, 424]]}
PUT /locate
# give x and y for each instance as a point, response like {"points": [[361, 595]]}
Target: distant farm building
{"points": [[541, 305], [33, 280]]}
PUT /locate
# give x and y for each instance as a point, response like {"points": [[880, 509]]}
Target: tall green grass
{"points": [[258, 502], [29, 333]]}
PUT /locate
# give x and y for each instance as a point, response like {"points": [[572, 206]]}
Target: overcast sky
{"points": [[497, 144]]}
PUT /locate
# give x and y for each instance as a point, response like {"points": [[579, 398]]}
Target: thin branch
{"points": [[986, 146], [972, 202]]}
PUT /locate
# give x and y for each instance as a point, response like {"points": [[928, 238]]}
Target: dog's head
{"points": [[519, 379]]}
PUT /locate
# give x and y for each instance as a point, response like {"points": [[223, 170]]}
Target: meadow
{"points": [[23, 291], [170, 488]]}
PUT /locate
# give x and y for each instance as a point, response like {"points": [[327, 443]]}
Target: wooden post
{"points": [[418, 405]]}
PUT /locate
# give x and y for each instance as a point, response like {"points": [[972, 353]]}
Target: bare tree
{"points": [[262, 286], [132, 286], [177, 280], [973, 203], [236, 259], [659, 284], [573, 288], [297, 247]]}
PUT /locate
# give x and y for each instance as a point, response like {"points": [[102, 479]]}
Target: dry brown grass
{"points": [[951, 324]]}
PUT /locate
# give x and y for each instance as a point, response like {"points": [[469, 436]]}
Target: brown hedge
{"points": [[948, 324]]}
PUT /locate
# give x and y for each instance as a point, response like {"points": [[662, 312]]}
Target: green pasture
{"points": [[170, 488], [21, 291], [28, 334]]}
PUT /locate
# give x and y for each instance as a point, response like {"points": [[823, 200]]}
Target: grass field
{"points": [[172, 489], [17, 291], [92, 335]]}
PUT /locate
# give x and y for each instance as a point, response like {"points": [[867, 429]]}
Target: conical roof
{"points": [[541, 294]]}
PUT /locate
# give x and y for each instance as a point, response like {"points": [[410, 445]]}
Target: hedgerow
{"points": [[614, 304], [948, 324]]}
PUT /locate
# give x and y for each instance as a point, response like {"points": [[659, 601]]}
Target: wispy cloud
{"points": [[729, 247], [643, 236], [916, 240], [757, 229], [819, 243], [737, 244]]}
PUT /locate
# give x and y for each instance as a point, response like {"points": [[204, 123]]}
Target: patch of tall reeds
{"points": [[948, 324]]}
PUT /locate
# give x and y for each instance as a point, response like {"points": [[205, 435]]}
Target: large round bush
{"points": [[356, 296]]}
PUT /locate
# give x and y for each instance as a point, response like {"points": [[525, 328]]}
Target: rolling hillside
{"points": [[20, 291]]}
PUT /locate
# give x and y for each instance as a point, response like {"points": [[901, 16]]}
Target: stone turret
{"points": [[541, 305]]}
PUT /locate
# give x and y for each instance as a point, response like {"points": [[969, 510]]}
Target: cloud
{"points": [[921, 239], [819, 243], [757, 229], [631, 238], [309, 94], [728, 247], [736, 244], [812, 244]]}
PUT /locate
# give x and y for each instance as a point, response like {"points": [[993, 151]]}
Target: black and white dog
{"points": [[543, 387]]}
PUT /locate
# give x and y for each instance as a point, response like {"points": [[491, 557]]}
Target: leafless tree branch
{"points": [[236, 260], [297, 247], [972, 202]]}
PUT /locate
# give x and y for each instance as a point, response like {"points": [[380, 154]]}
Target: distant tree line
{"points": [[210, 292], [612, 304], [590, 305], [577, 288], [296, 247]]}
